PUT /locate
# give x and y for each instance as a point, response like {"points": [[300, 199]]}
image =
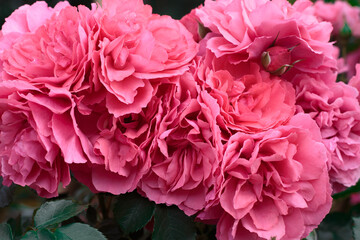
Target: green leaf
{"points": [[132, 211], [78, 231], [41, 234], [5, 232], [345, 31], [16, 225], [5, 195], [335, 226], [172, 224], [56, 212], [312, 236], [356, 228]]}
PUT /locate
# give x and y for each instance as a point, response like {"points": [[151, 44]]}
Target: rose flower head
{"points": [[336, 110], [288, 39], [186, 150], [137, 48], [276, 183]]}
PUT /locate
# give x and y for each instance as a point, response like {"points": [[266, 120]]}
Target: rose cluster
{"points": [[232, 113]]}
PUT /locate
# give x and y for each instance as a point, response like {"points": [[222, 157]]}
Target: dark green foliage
{"points": [[356, 228], [78, 231], [56, 212], [5, 232], [41, 234], [5, 194], [132, 211], [172, 224]]}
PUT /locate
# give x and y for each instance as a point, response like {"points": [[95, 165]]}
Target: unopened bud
{"points": [[276, 58]]}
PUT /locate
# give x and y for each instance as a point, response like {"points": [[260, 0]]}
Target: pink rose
{"points": [[351, 60], [355, 80], [57, 53], [243, 31], [191, 22], [29, 143], [336, 110], [186, 150], [27, 19], [138, 48], [117, 142], [272, 186], [255, 101], [338, 14]]}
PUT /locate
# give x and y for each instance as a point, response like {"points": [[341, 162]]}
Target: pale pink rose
{"points": [[57, 53], [273, 187], [30, 136], [336, 110], [136, 49], [243, 30], [186, 150], [256, 101], [338, 14]]}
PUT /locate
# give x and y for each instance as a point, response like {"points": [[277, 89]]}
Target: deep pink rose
{"points": [[136, 49], [186, 150], [255, 101], [32, 126], [57, 53], [273, 187], [243, 30], [336, 110]]}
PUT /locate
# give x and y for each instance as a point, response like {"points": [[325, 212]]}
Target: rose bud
{"points": [[277, 60]]}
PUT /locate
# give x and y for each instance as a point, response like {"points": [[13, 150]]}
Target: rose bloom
{"points": [[289, 36], [272, 185], [339, 13], [32, 127], [186, 150], [250, 99], [117, 143], [137, 48], [355, 81], [54, 54], [138, 55], [336, 110]]}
